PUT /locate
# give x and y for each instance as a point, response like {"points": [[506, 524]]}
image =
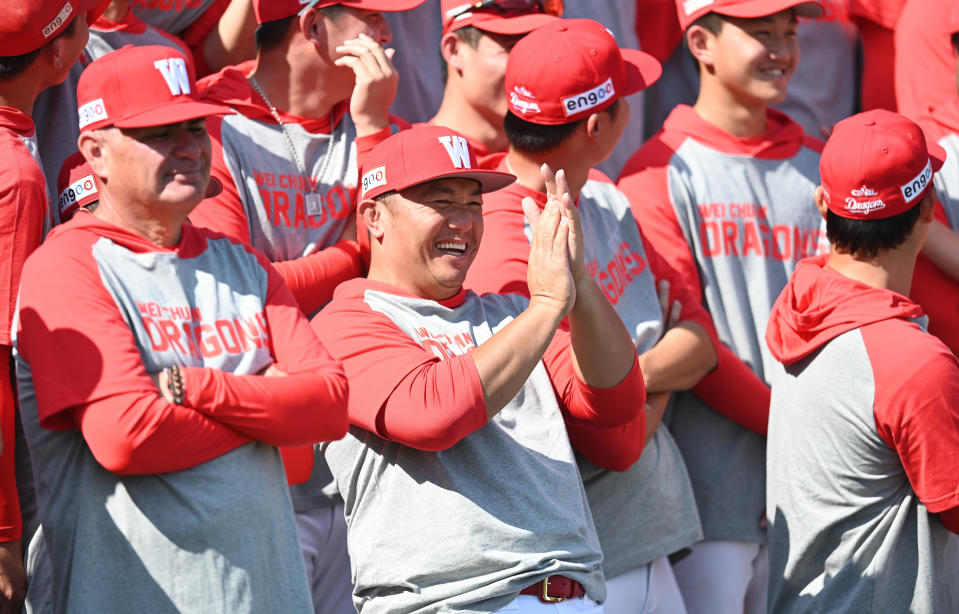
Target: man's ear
{"points": [[700, 42], [371, 212], [820, 197], [90, 145], [312, 26], [594, 126], [450, 46]]}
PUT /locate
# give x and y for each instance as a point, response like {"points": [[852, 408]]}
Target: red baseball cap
{"points": [[423, 153], [271, 10], [877, 164], [136, 87], [77, 186], [691, 10], [27, 25], [567, 69], [500, 16]]}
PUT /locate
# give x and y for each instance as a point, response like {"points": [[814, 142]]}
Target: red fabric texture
{"points": [[925, 67], [882, 12], [877, 90], [10, 523], [400, 390], [23, 206], [313, 278], [819, 304], [130, 428], [403, 392], [657, 27]]}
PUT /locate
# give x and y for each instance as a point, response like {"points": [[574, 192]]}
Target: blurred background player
{"points": [[724, 194], [568, 109], [864, 419]]}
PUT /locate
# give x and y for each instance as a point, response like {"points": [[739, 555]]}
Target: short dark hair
{"points": [[11, 66], [470, 35], [868, 238], [270, 34], [529, 138]]}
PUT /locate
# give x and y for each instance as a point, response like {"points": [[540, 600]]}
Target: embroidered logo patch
{"points": [[588, 99], [916, 186], [92, 111], [523, 100], [374, 178]]}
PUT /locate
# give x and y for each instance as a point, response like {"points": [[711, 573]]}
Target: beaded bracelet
{"points": [[175, 384]]}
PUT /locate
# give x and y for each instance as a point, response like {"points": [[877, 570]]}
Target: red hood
{"points": [[230, 87], [819, 304], [782, 139], [17, 121]]}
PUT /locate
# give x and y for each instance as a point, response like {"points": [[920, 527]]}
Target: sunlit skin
{"points": [[426, 236], [744, 68], [151, 178]]}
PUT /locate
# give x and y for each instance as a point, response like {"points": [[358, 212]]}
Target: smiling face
{"points": [[166, 165], [427, 236], [754, 59]]}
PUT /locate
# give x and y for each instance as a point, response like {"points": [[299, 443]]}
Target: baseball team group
{"points": [[513, 306]]}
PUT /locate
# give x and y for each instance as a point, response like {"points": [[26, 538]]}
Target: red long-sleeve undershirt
{"points": [[403, 392], [109, 395]]}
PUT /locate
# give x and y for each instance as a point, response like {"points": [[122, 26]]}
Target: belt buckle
{"points": [[546, 596]]}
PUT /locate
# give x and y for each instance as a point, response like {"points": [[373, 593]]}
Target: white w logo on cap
{"points": [[458, 149], [175, 74]]}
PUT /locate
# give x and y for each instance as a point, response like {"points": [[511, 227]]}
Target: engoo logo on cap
{"points": [[374, 178], [588, 99], [92, 111], [918, 183], [79, 189], [64, 14]]}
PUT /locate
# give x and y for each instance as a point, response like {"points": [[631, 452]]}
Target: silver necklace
{"points": [[314, 200]]}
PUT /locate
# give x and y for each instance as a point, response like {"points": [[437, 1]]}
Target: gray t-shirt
{"points": [[741, 212], [465, 528], [216, 537], [848, 531]]}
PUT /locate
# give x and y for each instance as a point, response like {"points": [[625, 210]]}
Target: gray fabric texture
{"points": [[847, 532], [726, 462], [466, 528], [218, 537]]}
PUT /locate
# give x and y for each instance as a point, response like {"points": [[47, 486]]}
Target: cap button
{"points": [[561, 27], [869, 122]]}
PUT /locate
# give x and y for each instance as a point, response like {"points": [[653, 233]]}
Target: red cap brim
{"points": [[387, 6], [489, 181], [642, 70], [94, 9], [937, 155], [500, 24], [169, 113], [764, 8]]}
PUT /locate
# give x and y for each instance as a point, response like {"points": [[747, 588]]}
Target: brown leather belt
{"points": [[554, 589]]}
